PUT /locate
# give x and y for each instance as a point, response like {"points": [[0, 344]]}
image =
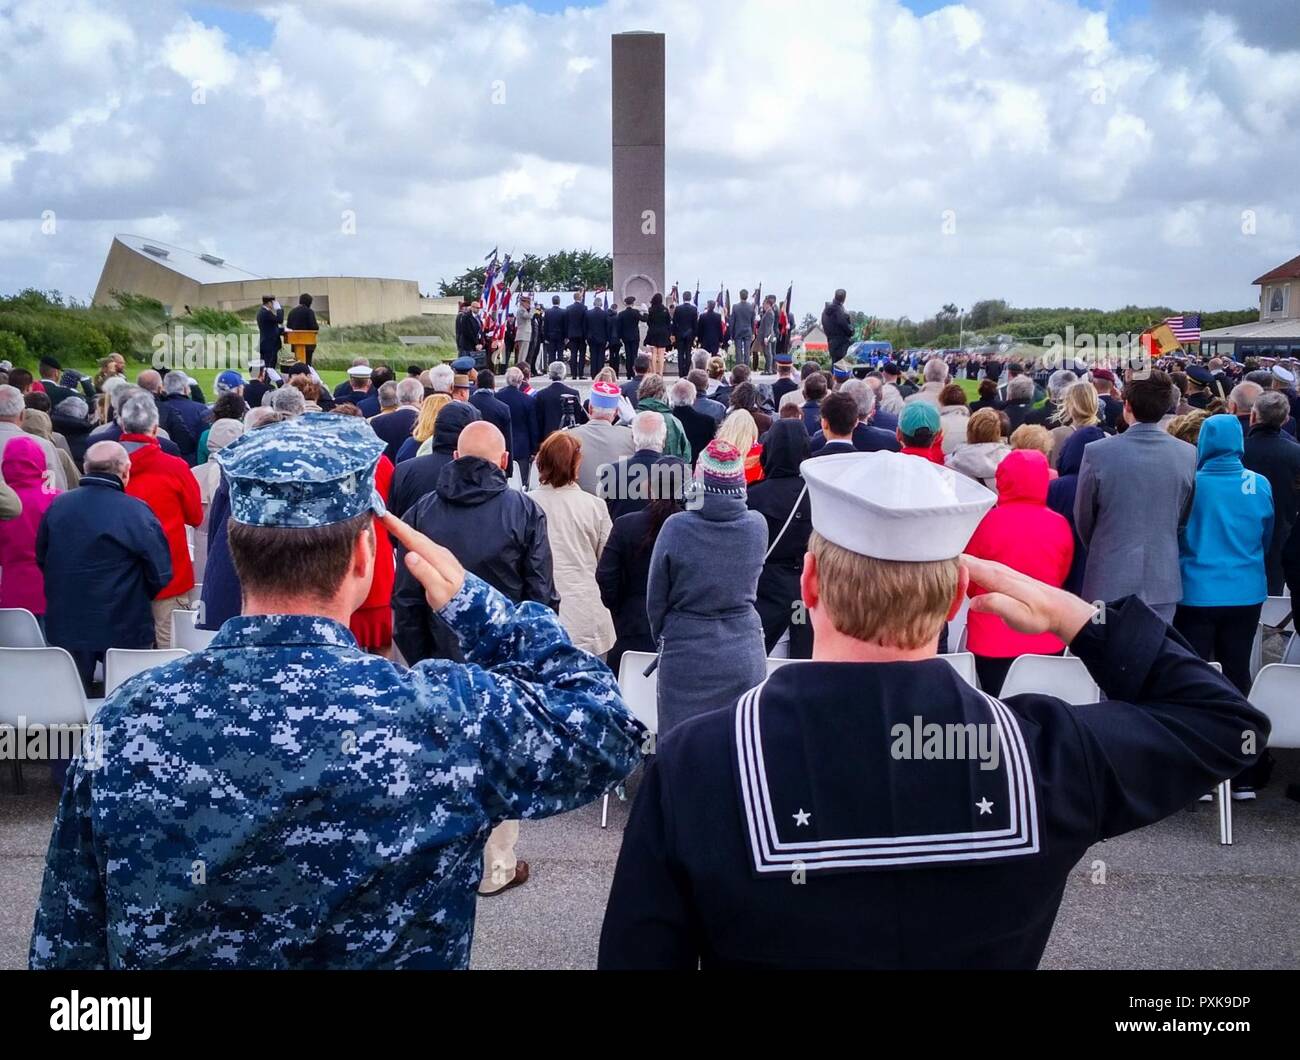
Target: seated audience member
{"points": [[1270, 452], [624, 485], [1080, 409], [700, 427], [703, 874], [984, 449], [104, 558], [920, 432], [1061, 492], [22, 469], [740, 430], [1021, 516], [954, 415], [168, 486]]}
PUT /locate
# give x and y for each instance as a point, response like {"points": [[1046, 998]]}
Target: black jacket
{"points": [[866, 439], [553, 325], [658, 326], [394, 428], [1273, 453], [597, 325], [184, 421], [497, 413], [620, 505], [629, 326], [104, 558], [551, 407], [685, 317], [774, 497], [1044, 416], [526, 428], [575, 321], [302, 318], [415, 478], [699, 427], [496, 532], [469, 331], [622, 574], [838, 328], [269, 339], [708, 329]]}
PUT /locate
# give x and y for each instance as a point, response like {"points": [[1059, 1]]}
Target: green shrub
{"points": [[13, 348], [59, 335]]}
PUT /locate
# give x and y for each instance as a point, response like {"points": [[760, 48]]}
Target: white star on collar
{"points": [[801, 818], [984, 806]]}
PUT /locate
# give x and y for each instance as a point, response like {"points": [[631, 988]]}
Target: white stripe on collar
{"points": [[771, 855]]}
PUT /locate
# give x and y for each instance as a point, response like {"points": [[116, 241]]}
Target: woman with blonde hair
{"points": [[425, 423], [1033, 436], [1080, 408], [740, 429]]}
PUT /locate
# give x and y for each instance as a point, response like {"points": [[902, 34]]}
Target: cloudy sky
{"points": [[1050, 152]]}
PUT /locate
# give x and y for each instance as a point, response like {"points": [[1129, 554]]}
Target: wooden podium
{"points": [[298, 341]]}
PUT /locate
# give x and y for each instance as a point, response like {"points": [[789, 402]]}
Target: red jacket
{"points": [[167, 485], [933, 454], [1027, 536]]}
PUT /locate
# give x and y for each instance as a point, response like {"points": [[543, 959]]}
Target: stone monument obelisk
{"points": [[637, 64]]}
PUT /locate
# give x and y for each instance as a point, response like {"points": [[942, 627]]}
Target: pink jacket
{"points": [[21, 581], [1026, 535]]}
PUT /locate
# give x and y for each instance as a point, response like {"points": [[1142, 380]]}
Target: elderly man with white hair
{"points": [[289, 400], [699, 427], [184, 419], [167, 485], [395, 426], [604, 440], [558, 404], [12, 407], [98, 528], [1049, 415], [525, 426], [936, 378], [442, 379], [624, 485]]}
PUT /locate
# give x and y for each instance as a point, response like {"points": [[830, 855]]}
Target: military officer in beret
{"points": [[1201, 380], [284, 799], [871, 809]]}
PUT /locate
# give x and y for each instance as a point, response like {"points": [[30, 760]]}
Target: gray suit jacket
{"points": [[602, 443], [1133, 496]]}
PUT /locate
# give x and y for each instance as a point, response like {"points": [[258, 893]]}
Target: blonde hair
{"points": [[1079, 406], [429, 409], [1032, 436], [1187, 428], [984, 426], [740, 430], [606, 375], [899, 605]]}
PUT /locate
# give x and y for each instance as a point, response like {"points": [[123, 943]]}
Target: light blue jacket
{"points": [[1222, 547]]}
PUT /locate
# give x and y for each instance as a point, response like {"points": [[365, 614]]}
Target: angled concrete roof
{"points": [[195, 265]]}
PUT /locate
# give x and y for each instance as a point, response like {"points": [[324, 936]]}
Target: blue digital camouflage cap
{"points": [[314, 470]]}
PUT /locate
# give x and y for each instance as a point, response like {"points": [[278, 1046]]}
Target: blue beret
{"points": [[314, 470], [463, 365], [1200, 374], [840, 371], [785, 358]]}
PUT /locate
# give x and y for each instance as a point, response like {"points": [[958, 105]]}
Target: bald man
{"points": [[98, 528], [499, 534]]}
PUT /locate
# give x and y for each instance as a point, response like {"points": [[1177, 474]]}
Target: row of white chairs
{"points": [[1275, 693]]}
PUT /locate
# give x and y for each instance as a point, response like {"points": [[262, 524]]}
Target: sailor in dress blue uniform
{"points": [[870, 809]]}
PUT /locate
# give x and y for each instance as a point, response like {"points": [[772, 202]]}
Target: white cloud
{"points": [[821, 148]]}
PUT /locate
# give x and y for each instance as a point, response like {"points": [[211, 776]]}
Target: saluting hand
{"points": [[1025, 604], [433, 566]]}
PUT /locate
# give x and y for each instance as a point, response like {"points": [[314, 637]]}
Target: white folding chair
{"points": [[122, 664], [41, 687], [1291, 657], [185, 635], [1276, 694], [516, 477], [964, 663], [19, 629], [781, 649], [1272, 614], [641, 694], [1062, 676]]}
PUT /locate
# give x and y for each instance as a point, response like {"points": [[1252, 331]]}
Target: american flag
{"points": [[1186, 328]]}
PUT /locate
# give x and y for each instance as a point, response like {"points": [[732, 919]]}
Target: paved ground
{"points": [[1172, 896]]}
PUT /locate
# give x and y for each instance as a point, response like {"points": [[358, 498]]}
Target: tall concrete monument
{"points": [[639, 124]]}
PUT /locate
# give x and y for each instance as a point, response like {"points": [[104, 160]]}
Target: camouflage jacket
{"points": [[284, 800]]}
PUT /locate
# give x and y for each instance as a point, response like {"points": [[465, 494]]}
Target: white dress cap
{"points": [[894, 506]]}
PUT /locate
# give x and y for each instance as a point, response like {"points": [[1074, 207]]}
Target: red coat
{"points": [[1026, 535], [372, 622], [167, 485]]}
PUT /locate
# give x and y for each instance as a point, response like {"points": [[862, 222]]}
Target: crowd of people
{"points": [[675, 517]]}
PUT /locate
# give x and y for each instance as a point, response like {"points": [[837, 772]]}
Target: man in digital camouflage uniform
{"points": [[285, 800]]}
